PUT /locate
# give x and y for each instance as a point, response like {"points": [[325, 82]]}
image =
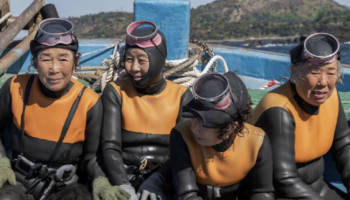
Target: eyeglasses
{"points": [[204, 87], [320, 48], [143, 34], [55, 31]]}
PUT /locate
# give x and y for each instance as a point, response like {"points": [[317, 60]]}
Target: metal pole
{"points": [[17, 52], [2, 3], [7, 36]]}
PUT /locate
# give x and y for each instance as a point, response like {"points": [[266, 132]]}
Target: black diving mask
{"points": [[316, 49], [213, 91]]}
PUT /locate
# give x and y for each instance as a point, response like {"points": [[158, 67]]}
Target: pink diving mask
{"points": [[143, 34]]}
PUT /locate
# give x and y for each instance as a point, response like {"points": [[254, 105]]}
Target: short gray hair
{"points": [[300, 74]]}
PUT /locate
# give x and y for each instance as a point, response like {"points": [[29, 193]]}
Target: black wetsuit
{"points": [[240, 170], [45, 115], [300, 135], [137, 124]]}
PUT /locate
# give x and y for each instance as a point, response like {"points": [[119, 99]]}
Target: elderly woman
{"points": [[140, 111], [215, 154], [304, 119], [55, 125]]}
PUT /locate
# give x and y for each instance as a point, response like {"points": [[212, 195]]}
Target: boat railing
{"points": [[10, 26]]}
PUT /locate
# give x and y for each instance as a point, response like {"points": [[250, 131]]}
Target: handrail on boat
{"points": [[7, 36], [17, 52], [10, 32], [211, 62]]}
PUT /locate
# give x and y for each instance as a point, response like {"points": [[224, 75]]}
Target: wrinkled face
{"points": [[206, 136], [136, 63], [316, 83], [55, 68]]}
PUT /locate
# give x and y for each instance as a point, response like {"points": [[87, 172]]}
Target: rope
{"points": [[212, 61], [185, 72]]}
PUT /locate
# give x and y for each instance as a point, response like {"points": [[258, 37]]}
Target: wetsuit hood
{"points": [[157, 57]]}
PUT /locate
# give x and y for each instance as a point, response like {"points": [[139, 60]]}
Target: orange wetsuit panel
{"points": [[313, 133], [223, 168], [151, 114], [44, 116]]}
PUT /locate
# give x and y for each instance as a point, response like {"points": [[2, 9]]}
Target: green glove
{"points": [[103, 190], [7, 174]]}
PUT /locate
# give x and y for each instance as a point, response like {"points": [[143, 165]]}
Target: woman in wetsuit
{"points": [[304, 119], [55, 126], [141, 110], [215, 154]]}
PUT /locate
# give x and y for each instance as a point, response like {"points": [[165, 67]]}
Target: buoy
{"points": [[269, 84]]}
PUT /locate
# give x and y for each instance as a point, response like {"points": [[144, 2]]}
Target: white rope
{"points": [[112, 64], [211, 62]]}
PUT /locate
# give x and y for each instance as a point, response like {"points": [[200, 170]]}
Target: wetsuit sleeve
{"points": [[5, 112], [111, 139], [91, 159], [341, 147], [183, 174], [165, 171], [261, 175], [279, 126], [186, 97]]}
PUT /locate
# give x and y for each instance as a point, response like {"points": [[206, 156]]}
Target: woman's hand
{"points": [[152, 188], [103, 190], [7, 174]]}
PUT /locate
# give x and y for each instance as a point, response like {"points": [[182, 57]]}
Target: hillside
{"points": [[256, 18], [228, 19], [102, 25]]}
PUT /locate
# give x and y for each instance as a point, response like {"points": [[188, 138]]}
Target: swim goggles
{"points": [[320, 48], [143, 34], [55, 31], [203, 89]]}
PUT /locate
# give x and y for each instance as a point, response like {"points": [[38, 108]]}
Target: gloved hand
{"points": [[7, 174], [103, 190], [128, 188], [152, 188]]}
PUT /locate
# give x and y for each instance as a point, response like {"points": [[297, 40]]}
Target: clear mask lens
{"points": [[55, 31]]}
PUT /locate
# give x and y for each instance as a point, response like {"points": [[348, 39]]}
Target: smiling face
{"points": [[317, 82], [55, 68], [136, 63]]}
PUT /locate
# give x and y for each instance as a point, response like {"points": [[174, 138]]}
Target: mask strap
{"points": [[158, 48]]}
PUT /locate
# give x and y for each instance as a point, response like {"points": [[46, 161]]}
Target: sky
{"points": [[75, 8]]}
